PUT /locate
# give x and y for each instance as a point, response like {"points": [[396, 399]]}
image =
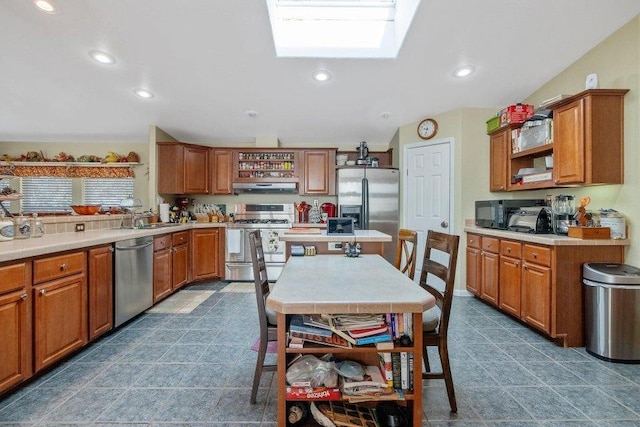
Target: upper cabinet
{"points": [[266, 165], [221, 171], [183, 168], [319, 172], [587, 147]]}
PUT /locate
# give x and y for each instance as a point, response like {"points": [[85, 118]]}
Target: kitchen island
{"points": [[371, 241], [338, 284]]}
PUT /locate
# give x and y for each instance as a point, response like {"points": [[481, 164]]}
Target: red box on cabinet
{"points": [[515, 114]]}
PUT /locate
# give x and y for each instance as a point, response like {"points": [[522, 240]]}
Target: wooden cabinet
{"points": [[499, 149], [588, 134], [490, 269], [171, 268], [183, 168], [509, 283], [385, 158], [15, 324], [100, 282], [207, 253], [539, 284], [319, 172], [59, 306], [474, 264], [221, 171], [180, 259], [587, 148], [162, 267]]}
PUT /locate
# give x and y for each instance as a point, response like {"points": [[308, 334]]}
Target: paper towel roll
{"points": [[164, 212]]}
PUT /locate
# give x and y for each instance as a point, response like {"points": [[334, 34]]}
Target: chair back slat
{"points": [[406, 252], [260, 278]]}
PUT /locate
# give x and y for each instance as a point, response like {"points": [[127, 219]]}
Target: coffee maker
{"points": [[563, 207], [363, 153]]}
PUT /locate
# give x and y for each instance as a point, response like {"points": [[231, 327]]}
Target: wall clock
{"points": [[427, 128]]}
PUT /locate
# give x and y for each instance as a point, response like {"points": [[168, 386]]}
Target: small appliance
{"points": [[564, 208], [531, 219], [363, 153], [328, 208], [496, 213]]}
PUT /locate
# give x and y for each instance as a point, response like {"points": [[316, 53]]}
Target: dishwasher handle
{"points": [[133, 248]]}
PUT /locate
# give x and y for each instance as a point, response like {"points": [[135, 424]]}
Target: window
{"points": [[46, 194], [106, 192]]}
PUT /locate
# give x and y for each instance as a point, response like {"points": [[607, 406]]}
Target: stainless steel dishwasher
{"points": [[134, 278]]}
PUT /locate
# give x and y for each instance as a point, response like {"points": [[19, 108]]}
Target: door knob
{"points": [[444, 224], [43, 291]]}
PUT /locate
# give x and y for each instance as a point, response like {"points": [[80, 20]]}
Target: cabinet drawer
{"points": [[473, 241], [537, 254], [510, 249], [180, 238], [490, 244], [162, 242], [54, 267], [15, 276]]}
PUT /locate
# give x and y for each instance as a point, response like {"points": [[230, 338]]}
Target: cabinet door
{"points": [[569, 144], [207, 257], [510, 287], [490, 269], [15, 336], [536, 296], [499, 146], [196, 170], [474, 271], [222, 172], [180, 261], [100, 291], [162, 274], [60, 313], [319, 172], [170, 168]]}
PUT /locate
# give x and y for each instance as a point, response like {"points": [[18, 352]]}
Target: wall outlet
{"points": [[80, 227], [335, 246]]}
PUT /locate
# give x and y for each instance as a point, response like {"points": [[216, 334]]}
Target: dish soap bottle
{"points": [[37, 227], [315, 216]]}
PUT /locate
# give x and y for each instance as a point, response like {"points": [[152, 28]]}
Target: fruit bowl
{"points": [[85, 209]]}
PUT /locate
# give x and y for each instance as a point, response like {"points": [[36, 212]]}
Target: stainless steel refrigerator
{"points": [[371, 197]]}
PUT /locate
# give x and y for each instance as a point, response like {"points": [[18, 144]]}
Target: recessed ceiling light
{"points": [[251, 113], [321, 76], [102, 57], [143, 93], [463, 71], [46, 6]]}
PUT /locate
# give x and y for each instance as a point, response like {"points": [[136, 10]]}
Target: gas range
{"points": [[275, 215], [261, 223]]}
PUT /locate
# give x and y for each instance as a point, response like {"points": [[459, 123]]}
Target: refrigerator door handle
{"points": [[365, 203]]}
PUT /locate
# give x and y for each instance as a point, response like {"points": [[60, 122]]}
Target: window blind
{"points": [[106, 192], [46, 194]]}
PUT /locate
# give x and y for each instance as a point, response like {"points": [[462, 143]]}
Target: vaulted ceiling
{"points": [[210, 62]]}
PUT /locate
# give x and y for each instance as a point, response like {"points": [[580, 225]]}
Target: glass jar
{"points": [[6, 229], [37, 227], [22, 228], [315, 215]]}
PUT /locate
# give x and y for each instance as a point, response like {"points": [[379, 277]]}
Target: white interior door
{"points": [[427, 191]]}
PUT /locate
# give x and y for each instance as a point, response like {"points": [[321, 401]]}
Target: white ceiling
{"points": [[209, 61]]}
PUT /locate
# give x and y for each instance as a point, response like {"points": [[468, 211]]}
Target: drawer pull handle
{"points": [[24, 297], [535, 255], [63, 267], [43, 291], [509, 250]]}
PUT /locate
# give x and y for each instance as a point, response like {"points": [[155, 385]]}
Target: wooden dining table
{"points": [[335, 284]]}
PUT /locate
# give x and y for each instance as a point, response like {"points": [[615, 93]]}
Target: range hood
{"points": [[265, 187]]}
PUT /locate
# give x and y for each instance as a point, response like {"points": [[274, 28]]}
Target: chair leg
{"points": [[425, 358], [262, 351], [448, 378]]}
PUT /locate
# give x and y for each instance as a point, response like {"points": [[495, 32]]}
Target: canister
{"points": [[616, 222], [22, 227], [6, 229]]}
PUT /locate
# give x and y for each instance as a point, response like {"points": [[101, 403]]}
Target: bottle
{"points": [[315, 215], [22, 227], [37, 227]]}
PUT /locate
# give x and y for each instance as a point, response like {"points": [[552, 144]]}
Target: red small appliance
{"points": [[329, 208]]}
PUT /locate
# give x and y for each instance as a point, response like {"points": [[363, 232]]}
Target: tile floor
{"points": [[196, 370]]}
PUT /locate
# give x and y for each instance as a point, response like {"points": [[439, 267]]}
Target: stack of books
{"points": [[372, 387], [340, 330]]}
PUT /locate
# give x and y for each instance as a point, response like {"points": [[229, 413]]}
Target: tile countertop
{"points": [[545, 239], [59, 242], [360, 236], [338, 284]]}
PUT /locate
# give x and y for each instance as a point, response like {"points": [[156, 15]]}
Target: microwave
{"points": [[496, 213]]}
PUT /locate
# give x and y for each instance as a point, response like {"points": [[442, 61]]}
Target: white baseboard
{"points": [[462, 293]]}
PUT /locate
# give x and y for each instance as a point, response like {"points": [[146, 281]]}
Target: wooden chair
{"points": [[267, 318], [435, 321], [406, 252]]}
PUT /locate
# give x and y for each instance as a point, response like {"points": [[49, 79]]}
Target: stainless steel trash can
{"points": [[612, 311]]}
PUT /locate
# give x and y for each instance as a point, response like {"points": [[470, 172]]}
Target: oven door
{"points": [[273, 247]]}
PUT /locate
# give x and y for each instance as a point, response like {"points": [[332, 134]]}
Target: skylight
{"points": [[340, 28]]}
